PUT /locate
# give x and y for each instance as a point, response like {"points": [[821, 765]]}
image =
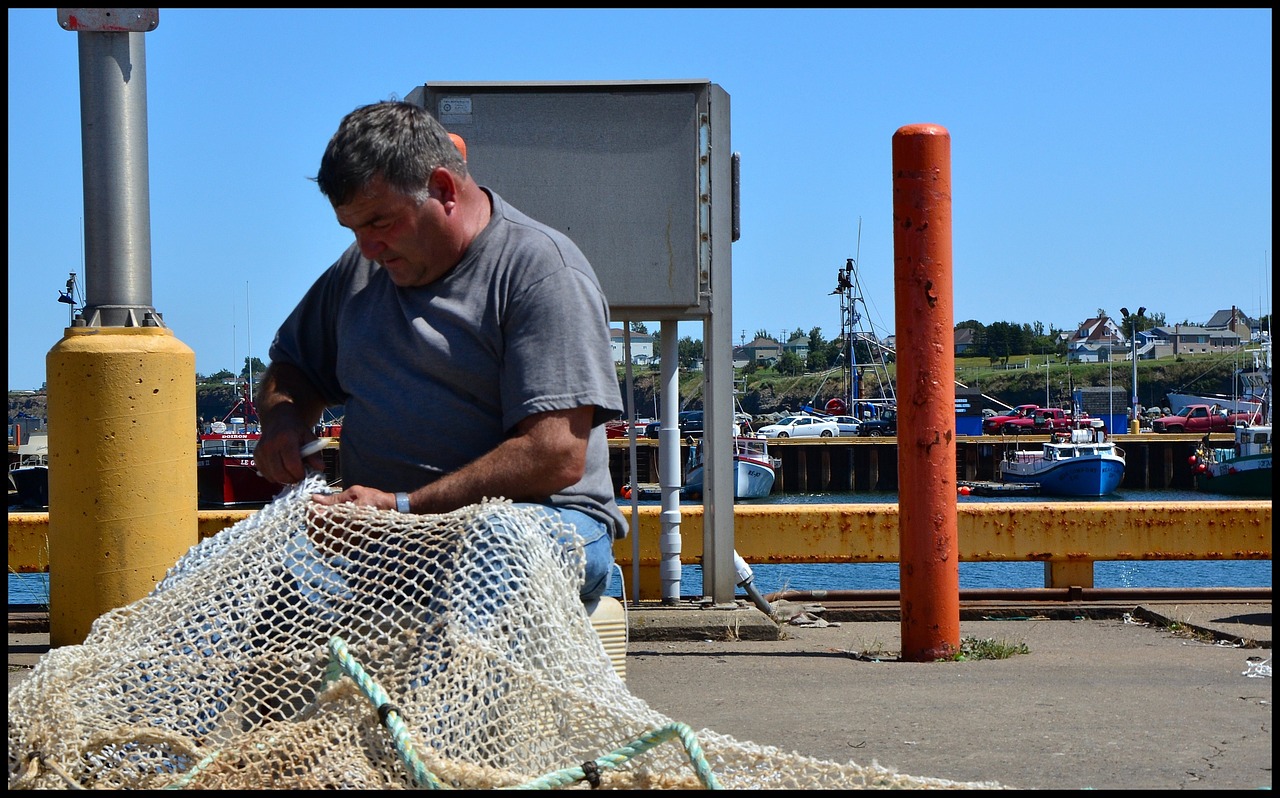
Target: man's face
{"points": [[405, 236]]}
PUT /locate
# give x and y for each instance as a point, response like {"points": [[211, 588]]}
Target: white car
{"points": [[800, 427], [850, 427]]}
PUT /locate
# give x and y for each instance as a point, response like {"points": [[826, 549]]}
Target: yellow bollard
{"points": [[122, 469]]}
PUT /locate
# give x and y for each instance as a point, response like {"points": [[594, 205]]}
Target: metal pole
{"points": [[669, 474], [117, 199], [929, 568], [1134, 424]]}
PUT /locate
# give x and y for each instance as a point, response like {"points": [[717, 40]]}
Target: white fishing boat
{"points": [[753, 468]]}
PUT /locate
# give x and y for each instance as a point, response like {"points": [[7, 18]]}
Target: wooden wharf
{"points": [[844, 465]]}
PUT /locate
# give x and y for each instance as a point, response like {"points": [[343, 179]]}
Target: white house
{"points": [[1094, 339], [641, 347]]}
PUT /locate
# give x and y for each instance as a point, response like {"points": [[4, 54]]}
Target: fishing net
{"points": [[345, 647]]}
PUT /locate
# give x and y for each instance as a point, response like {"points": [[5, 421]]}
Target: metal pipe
{"points": [[746, 581], [669, 470], [1045, 594], [923, 301], [117, 199]]}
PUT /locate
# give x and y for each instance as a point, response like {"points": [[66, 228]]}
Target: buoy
{"points": [[626, 491], [964, 490], [1192, 459]]}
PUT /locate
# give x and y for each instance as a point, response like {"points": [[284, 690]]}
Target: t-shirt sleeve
{"points": [[308, 337], [558, 354]]}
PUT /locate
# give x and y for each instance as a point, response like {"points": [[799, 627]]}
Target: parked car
{"points": [[800, 427], [689, 421], [850, 427]]}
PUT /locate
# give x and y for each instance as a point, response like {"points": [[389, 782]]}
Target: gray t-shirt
{"points": [[434, 377]]}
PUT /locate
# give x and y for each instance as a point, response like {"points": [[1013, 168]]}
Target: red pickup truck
{"points": [[1033, 418], [1199, 419]]}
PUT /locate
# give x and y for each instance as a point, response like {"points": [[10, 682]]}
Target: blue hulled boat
{"points": [[1083, 463]]}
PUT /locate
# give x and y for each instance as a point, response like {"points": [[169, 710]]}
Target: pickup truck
{"points": [[1199, 419], [1033, 418], [886, 424]]}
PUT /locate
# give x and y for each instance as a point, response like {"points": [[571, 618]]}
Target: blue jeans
{"points": [[597, 548]]}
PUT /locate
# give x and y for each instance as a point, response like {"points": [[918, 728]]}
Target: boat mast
{"points": [[849, 288], [249, 336]]}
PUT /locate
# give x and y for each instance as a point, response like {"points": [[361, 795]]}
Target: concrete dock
{"points": [[1162, 695]]}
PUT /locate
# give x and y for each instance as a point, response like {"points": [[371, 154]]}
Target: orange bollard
{"points": [[929, 565], [460, 144]]}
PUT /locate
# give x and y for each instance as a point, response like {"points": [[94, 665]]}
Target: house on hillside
{"points": [[764, 351], [1188, 339], [798, 345], [1225, 331], [1095, 339], [964, 340], [641, 347], [1235, 320]]}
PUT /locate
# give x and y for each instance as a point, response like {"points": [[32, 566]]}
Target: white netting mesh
{"points": [[262, 658]]}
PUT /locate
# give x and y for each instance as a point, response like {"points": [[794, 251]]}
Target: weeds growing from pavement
{"points": [[973, 648]]}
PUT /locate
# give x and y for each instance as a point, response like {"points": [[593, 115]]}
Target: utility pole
{"points": [[1133, 325]]}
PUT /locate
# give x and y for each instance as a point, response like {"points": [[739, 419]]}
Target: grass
{"points": [[973, 648], [1178, 629]]}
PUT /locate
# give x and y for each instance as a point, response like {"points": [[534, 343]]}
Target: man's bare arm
{"points": [[289, 407], [547, 454]]}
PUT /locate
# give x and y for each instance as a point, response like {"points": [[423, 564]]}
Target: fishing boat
{"points": [[226, 474], [1083, 462], [29, 473], [753, 468], [1244, 469]]}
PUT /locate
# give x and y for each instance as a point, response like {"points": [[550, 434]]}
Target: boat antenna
{"points": [[248, 323], [68, 297]]}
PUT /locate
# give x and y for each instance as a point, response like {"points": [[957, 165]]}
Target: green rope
{"points": [[641, 744], [421, 776], [389, 714]]}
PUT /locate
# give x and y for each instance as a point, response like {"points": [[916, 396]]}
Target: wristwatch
{"points": [[402, 502]]}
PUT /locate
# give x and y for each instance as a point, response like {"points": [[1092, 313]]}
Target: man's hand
{"points": [[286, 452], [358, 494], [289, 408]]}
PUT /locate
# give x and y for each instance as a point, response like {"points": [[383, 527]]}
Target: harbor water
{"points": [[34, 588]]}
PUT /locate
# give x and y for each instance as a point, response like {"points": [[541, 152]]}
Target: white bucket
{"points": [[609, 620]]}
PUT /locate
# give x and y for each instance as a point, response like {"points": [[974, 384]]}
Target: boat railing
{"points": [[29, 460]]}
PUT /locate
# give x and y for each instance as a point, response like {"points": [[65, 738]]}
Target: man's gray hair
{"points": [[397, 141]]}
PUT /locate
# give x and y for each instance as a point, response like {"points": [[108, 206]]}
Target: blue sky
{"points": [[1100, 158]]}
